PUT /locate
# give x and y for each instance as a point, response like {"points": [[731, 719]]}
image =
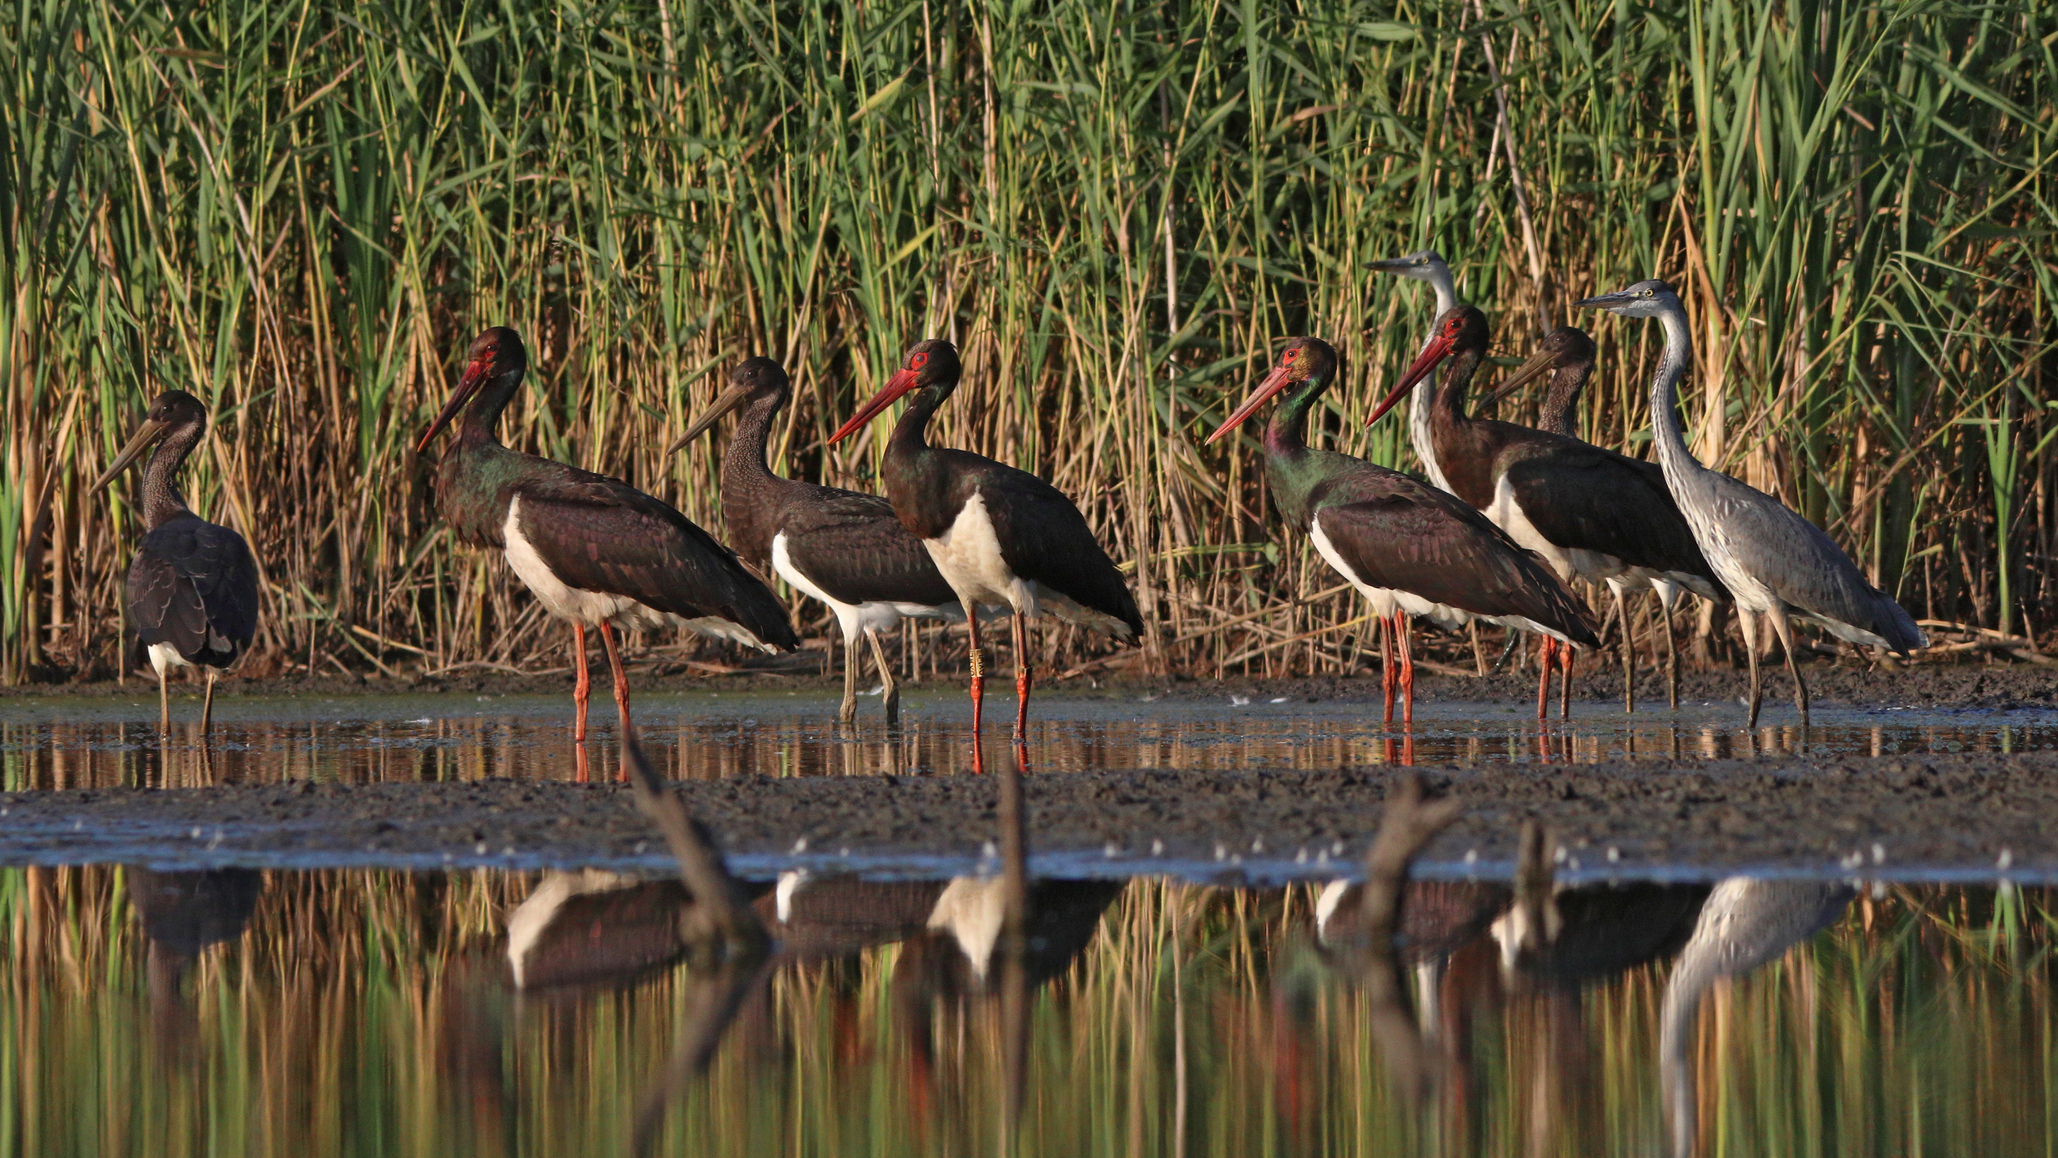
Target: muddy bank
{"points": [[1928, 685], [1906, 816]]}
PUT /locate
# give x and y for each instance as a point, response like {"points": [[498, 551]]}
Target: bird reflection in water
{"points": [[1747, 922], [182, 913]]}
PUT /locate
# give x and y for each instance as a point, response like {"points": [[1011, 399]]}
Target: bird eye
{"points": [[1291, 355], [918, 361]]}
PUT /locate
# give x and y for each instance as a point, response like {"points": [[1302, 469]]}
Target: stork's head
{"points": [[1645, 299], [755, 379], [496, 357], [1564, 346], [1460, 330], [1302, 360], [931, 364], [174, 410]]}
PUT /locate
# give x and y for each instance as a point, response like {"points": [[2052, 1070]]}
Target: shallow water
{"points": [[66, 743], [378, 1013]]}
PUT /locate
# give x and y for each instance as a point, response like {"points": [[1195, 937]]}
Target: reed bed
{"points": [[301, 212]]}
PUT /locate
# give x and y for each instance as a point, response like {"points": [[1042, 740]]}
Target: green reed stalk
{"points": [[1117, 209]]}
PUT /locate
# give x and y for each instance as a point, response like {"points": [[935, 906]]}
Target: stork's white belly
{"points": [[1327, 904], [592, 608], [164, 657], [969, 555], [854, 618], [1385, 600], [1568, 562]]}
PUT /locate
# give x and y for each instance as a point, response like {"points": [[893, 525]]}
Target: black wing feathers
{"points": [[601, 534], [193, 585], [1448, 553], [854, 548], [1582, 496], [1044, 537]]}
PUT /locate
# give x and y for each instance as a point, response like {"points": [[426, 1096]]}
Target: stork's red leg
{"points": [[1407, 651], [977, 663], [1386, 672], [1565, 686], [1545, 649], [614, 660], [1023, 679], [582, 691]]}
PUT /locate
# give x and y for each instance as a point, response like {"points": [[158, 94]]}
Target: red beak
{"points": [[468, 385], [1438, 349], [1279, 379], [903, 380]]}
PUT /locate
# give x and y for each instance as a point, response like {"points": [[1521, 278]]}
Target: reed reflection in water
{"points": [[359, 1013]]}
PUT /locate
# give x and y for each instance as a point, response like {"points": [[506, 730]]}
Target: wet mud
{"points": [[1934, 816]]}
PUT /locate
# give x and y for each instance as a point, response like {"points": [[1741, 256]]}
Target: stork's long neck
{"points": [[1420, 431], [911, 433], [1289, 467], [1457, 379], [161, 499], [1561, 404], [750, 491], [746, 465], [1665, 428], [482, 417]]}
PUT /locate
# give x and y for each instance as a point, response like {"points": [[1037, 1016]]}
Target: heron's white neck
{"points": [[1424, 394], [1679, 357]]}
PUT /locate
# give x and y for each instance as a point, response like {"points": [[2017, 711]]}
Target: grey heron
{"points": [[1774, 562], [1425, 265], [1746, 923]]}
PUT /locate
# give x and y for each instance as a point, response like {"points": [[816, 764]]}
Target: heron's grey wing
{"points": [[1804, 567]]}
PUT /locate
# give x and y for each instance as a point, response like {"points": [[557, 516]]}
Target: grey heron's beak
{"points": [[730, 399], [145, 437], [1606, 301]]}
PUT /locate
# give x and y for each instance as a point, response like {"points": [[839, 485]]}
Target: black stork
{"points": [[1409, 548], [1591, 513], [192, 593], [1774, 562], [844, 548], [1001, 537], [595, 550], [1568, 354]]}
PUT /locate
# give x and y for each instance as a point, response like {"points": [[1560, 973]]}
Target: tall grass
{"points": [[300, 213]]}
